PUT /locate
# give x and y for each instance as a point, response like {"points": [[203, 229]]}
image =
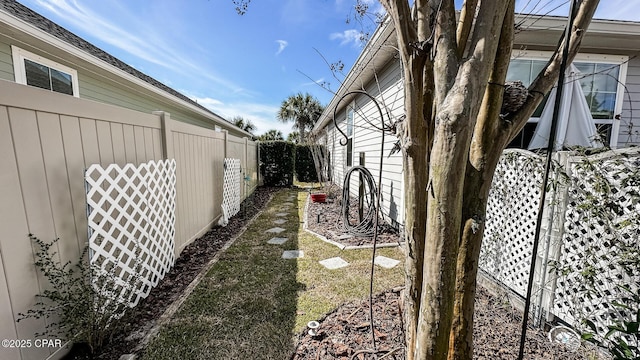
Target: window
{"points": [[31, 69], [349, 136], [602, 84]]}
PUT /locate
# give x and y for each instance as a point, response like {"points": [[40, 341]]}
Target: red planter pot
{"points": [[319, 198]]}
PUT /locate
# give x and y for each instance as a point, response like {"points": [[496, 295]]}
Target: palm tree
{"points": [[303, 109], [243, 124], [271, 135], [293, 137]]}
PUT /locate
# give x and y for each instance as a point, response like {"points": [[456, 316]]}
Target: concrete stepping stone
{"points": [[275, 230], [334, 263], [279, 221], [281, 214], [292, 254], [385, 262], [277, 240]]}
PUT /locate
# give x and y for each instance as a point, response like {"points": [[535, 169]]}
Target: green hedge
{"points": [[305, 168], [277, 159], [280, 160]]}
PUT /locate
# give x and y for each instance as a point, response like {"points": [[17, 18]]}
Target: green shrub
{"points": [[80, 310], [277, 159], [305, 167]]}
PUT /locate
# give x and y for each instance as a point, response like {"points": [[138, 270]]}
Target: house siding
{"points": [[629, 134], [104, 90], [112, 91], [6, 62], [367, 139]]}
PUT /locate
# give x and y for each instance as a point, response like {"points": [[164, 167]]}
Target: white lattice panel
{"points": [[591, 234], [599, 232], [131, 219], [511, 219], [231, 189]]}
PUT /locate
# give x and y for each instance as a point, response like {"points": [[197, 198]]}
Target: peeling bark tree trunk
{"points": [[454, 73]]}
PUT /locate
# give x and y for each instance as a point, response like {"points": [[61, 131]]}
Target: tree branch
{"points": [[549, 74], [400, 14], [467, 14], [446, 58]]}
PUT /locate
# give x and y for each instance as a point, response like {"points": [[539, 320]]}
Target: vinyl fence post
{"points": [[226, 143], [561, 196], [259, 176], [167, 139], [244, 168]]}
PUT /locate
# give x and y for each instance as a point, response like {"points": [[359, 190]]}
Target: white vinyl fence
{"points": [[590, 239], [131, 218]]}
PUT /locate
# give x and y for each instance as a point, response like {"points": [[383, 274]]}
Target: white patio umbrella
{"points": [[575, 123]]}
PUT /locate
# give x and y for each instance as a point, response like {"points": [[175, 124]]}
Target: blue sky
{"points": [[241, 65]]}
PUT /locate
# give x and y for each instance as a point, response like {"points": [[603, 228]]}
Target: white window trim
{"points": [[622, 60], [19, 55]]}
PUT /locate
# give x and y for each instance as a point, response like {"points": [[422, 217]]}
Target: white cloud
{"points": [[138, 39], [348, 36], [281, 45], [618, 10], [263, 116]]}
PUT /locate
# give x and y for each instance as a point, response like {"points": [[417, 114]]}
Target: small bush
{"points": [[82, 311]]}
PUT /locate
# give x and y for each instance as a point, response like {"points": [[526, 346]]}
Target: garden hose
{"points": [[365, 227]]}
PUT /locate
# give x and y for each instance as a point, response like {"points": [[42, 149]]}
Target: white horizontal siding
{"points": [[367, 139]]}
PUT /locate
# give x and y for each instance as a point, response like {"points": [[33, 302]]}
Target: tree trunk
{"points": [[491, 135], [415, 199], [415, 150], [453, 94], [484, 153]]}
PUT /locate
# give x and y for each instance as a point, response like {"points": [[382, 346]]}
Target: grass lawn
{"points": [[252, 302]]}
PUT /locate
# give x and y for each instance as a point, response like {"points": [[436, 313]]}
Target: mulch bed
{"points": [[345, 333], [331, 224], [191, 261]]}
